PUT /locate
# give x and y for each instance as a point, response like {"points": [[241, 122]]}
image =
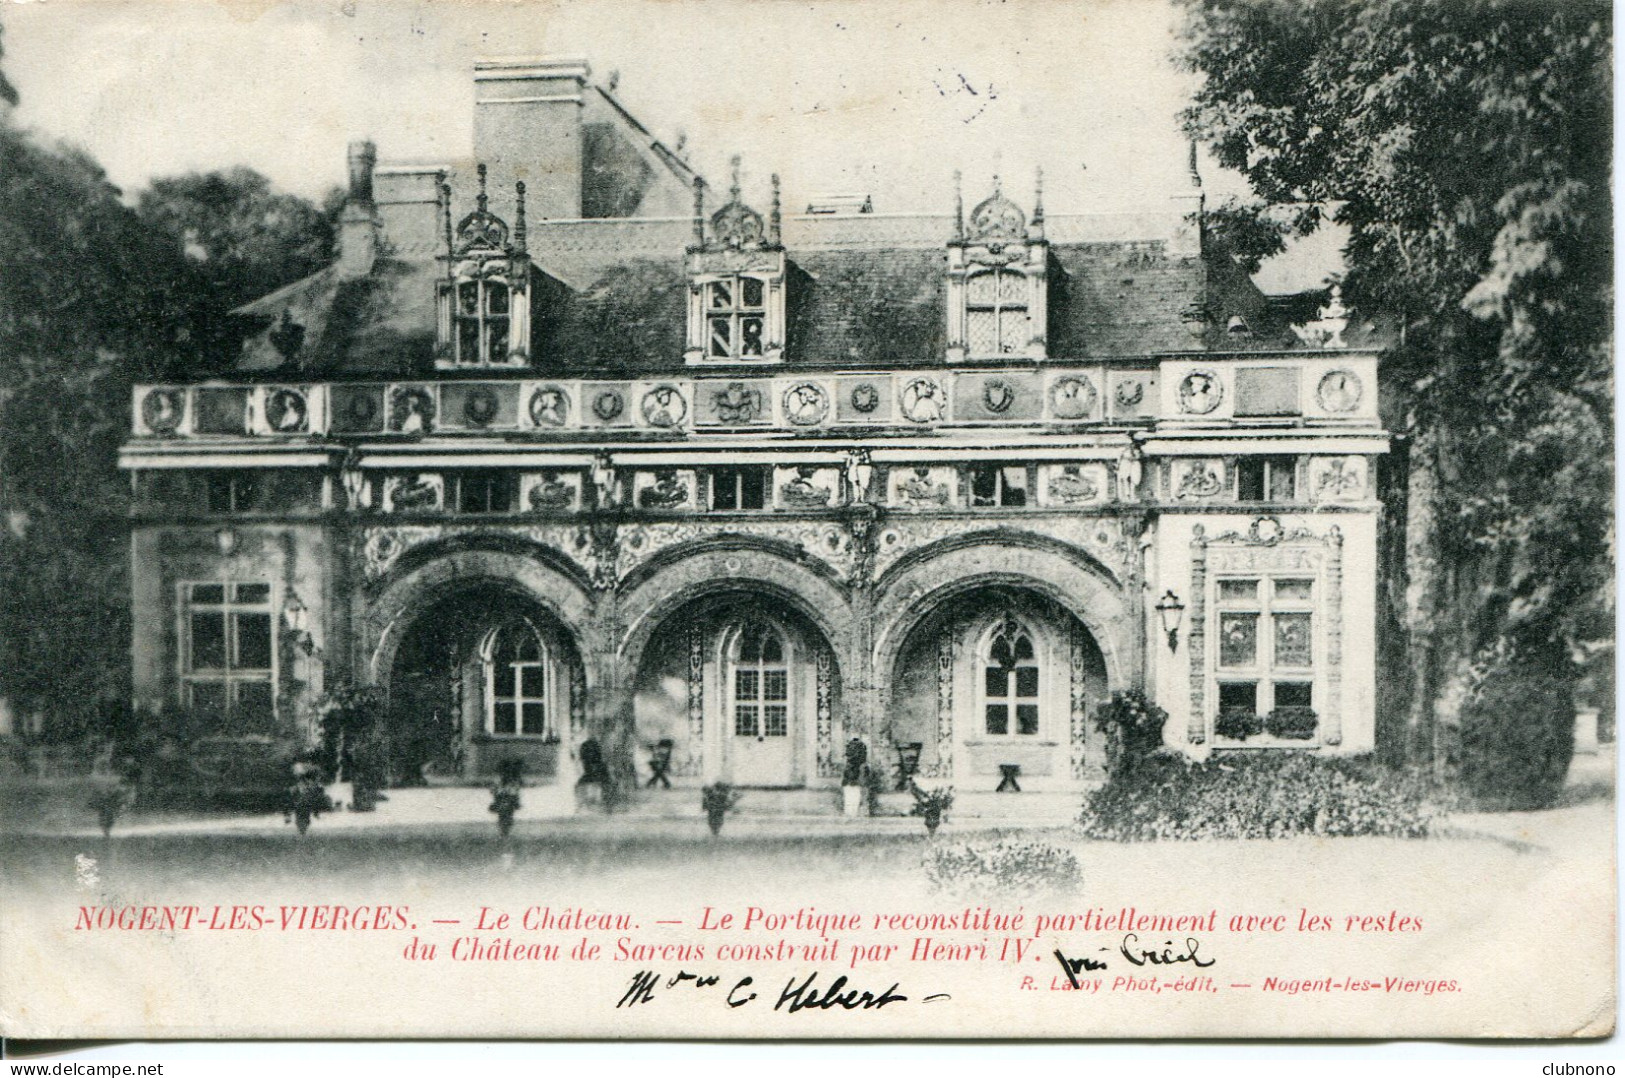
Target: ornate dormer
{"points": [[997, 288], [484, 299], [736, 271]]}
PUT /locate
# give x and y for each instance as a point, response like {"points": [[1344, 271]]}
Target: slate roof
{"points": [[866, 290]]}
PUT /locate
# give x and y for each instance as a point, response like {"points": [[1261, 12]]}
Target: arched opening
{"points": [[999, 676], [481, 675], [740, 688]]}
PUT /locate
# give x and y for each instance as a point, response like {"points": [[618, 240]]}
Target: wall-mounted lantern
{"points": [[1172, 612], [226, 540]]}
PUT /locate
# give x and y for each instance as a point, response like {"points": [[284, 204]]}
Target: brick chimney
{"points": [[527, 126], [358, 224]]}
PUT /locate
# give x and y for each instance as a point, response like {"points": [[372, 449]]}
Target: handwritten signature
{"points": [[797, 995], [1137, 955]]}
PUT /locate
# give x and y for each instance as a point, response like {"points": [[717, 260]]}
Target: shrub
{"points": [[1132, 725], [1516, 739], [1238, 725], [1292, 723], [1010, 867], [1262, 795]]}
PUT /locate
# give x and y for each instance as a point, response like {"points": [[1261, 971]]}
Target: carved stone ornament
{"points": [[1199, 479], [1130, 392], [480, 406], [411, 410], [734, 403], [549, 406], [802, 493], [806, 404], [1200, 392], [286, 411], [829, 543], [667, 492], [922, 489], [865, 398], [1071, 486], [737, 227], [1072, 397], [924, 401], [1339, 391], [161, 410], [1340, 479], [664, 406], [608, 405], [997, 218], [414, 493], [998, 395], [551, 492], [1268, 532]]}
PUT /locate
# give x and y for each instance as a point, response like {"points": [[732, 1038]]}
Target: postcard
{"points": [[737, 521]]}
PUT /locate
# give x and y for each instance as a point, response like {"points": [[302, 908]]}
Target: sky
{"points": [[834, 95]]}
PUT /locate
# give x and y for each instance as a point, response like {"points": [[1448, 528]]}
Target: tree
{"points": [[1466, 147]]}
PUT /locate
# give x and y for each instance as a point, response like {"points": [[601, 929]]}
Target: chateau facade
{"points": [[565, 448]]}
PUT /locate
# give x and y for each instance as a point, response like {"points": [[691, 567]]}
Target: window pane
{"points": [[504, 680], [1027, 718], [1024, 646], [1012, 289], [252, 593], [1293, 694], [775, 685], [753, 488], [982, 289], [501, 494], [750, 336], [504, 718], [253, 709], [1027, 681], [982, 332], [1238, 696], [208, 593], [745, 721], [498, 351], [468, 341], [998, 682], [1238, 591], [998, 719], [722, 296], [1292, 640], [984, 486], [721, 337], [1294, 589], [208, 641], [776, 721], [772, 648], [468, 297], [1012, 331], [746, 685], [1238, 639], [1250, 481], [209, 697], [219, 493], [751, 293], [725, 489], [496, 298], [533, 717], [1283, 480], [1015, 487], [253, 641]]}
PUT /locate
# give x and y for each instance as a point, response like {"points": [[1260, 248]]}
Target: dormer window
{"points": [[484, 305], [736, 316], [997, 286], [736, 271]]}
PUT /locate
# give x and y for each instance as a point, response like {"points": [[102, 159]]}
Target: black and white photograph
{"points": [[759, 521]]}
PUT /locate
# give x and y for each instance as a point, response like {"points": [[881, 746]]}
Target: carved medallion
{"points": [[865, 398], [998, 395], [1339, 391], [608, 405], [551, 492], [667, 492], [923, 401], [286, 411], [736, 404], [1341, 478], [161, 410], [1072, 487], [1130, 392], [1072, 397], [921, 489], [480, 406], [1200, 392], [1200, 479], [411, 410], [802, 493], [806, 404], [664, 406], [362, 409], [550, 407]]}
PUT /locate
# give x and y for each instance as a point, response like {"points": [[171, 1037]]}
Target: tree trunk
{"points": [[1423, 597]]}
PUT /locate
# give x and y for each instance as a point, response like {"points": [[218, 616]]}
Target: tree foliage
{"points": [[94, 295], [1466, 147]]}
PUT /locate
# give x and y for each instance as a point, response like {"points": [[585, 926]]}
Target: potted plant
{"points": [[110, 800], [306, 798], [718, 799], [853, 788], [932, 805], [1238, 724], [505, 794], [1132, 726], [1292, 723]]}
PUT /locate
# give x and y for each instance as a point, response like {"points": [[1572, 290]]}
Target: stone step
{"points": [[753, 801]]}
